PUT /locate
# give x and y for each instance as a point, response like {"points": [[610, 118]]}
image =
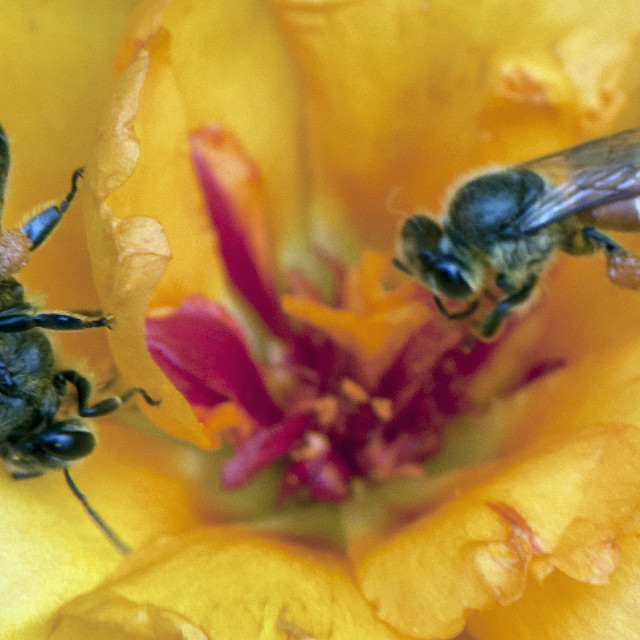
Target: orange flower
{"points": [[494, 488]]}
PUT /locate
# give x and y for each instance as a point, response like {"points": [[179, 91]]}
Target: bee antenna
{"points": [[111, 535], [390, 202], [400, 265]]}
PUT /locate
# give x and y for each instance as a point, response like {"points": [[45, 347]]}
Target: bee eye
{"points": [[69, 446], [65, 444], [450, 280], [6, 381]]}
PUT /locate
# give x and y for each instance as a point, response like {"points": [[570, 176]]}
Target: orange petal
{"points": [[399, 106], [375, 322]]}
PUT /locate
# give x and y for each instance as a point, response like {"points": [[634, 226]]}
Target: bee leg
{"points": [[15, 321], [83, 389], [41, 225], [455, 316], [488, 327], [598, 239], [441, 308]]}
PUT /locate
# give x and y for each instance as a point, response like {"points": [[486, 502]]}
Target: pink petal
{"points": [[202, 352], [326, 479], [261, 449], [235, 248]]}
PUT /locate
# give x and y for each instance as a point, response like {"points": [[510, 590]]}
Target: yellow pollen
{"points": [[14, 251]]}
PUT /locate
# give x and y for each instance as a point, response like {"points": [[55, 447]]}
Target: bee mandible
{"points": [[506, 224]]}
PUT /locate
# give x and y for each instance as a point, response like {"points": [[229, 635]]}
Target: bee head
{"points": [[424, 254], [57, 447]]}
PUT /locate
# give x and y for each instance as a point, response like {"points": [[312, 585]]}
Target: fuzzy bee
{"points": [[504, 225], [33, 438]]}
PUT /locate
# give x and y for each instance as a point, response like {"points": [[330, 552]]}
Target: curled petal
{"points": [[225, 583], [143, 26], [563, 505], [130, 253], [561, 607]]}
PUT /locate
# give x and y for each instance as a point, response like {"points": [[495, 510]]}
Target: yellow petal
{"points": [[224, 583], [234, 70], [211, 67], [561, 502], [56, 67]]}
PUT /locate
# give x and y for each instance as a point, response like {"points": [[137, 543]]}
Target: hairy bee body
{"points": [[34, 438], [26, 371], [506, 225]]}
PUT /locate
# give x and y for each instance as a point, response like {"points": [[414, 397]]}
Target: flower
{"points": [[363, 387], [524, 523]]}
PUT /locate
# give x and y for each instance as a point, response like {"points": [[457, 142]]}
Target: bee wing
{"points": [[582, 177]]}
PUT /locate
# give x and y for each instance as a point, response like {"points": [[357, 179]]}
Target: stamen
{"points": [[326, 409], [353, 391], [315, 445], [382, 408]]}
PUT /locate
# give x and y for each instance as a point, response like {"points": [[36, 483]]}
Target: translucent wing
{"points": [[582, 177]]}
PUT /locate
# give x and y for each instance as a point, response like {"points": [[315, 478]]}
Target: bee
{"points": [[506, 224], [33, 437]]}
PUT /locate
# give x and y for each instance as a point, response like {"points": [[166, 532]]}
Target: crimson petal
{"points": [[201, 350], [236, 251]]}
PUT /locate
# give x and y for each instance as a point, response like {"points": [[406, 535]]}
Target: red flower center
{"points": [[323, 408]]}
